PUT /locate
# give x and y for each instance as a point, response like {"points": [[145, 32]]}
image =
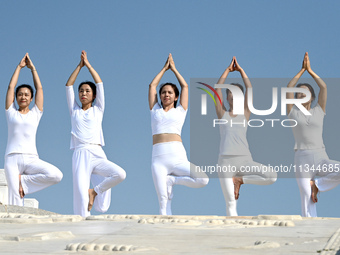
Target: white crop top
{"points": [[170, 122], [234, 135], [308, 131], [86, 125], [22, 130]]}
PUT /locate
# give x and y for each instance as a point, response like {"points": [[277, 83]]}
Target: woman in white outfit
{"points": [[314, 170], [25, 172], [170, 165], [234, 149], [89, 161]]}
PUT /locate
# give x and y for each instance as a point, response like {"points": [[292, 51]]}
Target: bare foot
{"points": [[21, 190], [238, 181], [315, 191], [92, 196]]}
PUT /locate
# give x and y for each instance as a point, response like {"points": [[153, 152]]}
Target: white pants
{"points": [[90, 163], [171, 159], [314, 165], [35, 175], [259, 175]]}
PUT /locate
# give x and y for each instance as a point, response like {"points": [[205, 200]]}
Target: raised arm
{"points": [[322, 98], [153, 85], [14, 80], [293, 81], [220, 108], [72, 79], [184, 100], [247, 84], [93, 72], [39, 94]]}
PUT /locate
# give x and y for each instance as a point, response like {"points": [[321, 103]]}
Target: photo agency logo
{"points": [[239, 105]]}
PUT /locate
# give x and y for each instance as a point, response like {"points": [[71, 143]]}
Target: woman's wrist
{"points": [[174, 70]]}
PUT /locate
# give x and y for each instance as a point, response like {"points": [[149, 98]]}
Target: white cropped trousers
{"points": [[170, 159], [251, 172], [89, 163], [314, 165], [36, 175]]}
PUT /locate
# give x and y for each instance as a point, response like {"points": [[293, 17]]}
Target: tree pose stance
{"points": [[89, 161], [170, 165]]}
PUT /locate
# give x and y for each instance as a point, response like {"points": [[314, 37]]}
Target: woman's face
{"points": [[230, 97], [168, 96], [300, 95], [86, 94], [24, 97]]}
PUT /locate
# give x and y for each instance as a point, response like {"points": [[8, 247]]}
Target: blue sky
{"points": [[127, 43]]}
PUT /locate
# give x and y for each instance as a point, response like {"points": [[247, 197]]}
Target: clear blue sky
{"points": [[127, 43]]}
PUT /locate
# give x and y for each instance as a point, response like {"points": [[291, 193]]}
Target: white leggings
{"points": [[171, 159], [314, 165], [35, 175], [90, 162], [259, 175]]}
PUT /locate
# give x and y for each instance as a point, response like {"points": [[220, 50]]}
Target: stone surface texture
{"points": [[25, 231]]}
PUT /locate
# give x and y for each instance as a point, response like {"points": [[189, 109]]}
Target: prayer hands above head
{"points": [[23, 63], [81, 63], [306, 63], [172, 63], [29, 62], [231, 67], [84, 58], [167, 63], [234, 65], [237, 67]]}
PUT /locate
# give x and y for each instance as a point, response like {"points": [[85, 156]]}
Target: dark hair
{"points": [[92, 85], [174, 87], [238, 85], [23, 86], [309, 87]]}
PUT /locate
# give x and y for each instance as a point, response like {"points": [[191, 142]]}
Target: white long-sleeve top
{"points": [[86, 125]]}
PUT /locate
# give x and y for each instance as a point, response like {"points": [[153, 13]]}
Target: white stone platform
{"points": [[154, 234], [28, 202]]}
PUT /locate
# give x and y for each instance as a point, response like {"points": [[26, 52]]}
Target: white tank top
{"points": [[234, 136], [170, 122], [308, 131], [22, 130]]}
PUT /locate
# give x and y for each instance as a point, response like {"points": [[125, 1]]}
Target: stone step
{"points": [[4, 195], [28, 202], [3, 181], [31, 202]]}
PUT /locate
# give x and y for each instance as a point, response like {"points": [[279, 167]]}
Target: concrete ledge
{"points": [[3, 181], [24, 210], [31, 202], [4, 195]]}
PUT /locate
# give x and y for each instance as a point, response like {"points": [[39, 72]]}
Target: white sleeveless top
{"points": [[308, 131], [234, 135], [170, 122], [22, 130]]}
